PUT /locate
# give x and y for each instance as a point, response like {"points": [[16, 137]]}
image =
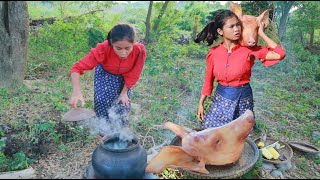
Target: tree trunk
{"points": [[311, 38], [285, 8], [195, 28], [301, 38], [156, 24], [146, 39], [14, 36]]}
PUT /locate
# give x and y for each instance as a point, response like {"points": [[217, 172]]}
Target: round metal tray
{"points": [[246, 162]]}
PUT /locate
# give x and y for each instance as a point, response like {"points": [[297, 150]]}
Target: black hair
{"points": [[121, 32], [209, 32]]}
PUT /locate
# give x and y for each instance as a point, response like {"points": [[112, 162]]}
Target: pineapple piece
{"points": [[266, 153], [261, 144], [275, 154]]}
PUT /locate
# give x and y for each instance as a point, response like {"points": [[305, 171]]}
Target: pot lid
{"points": [[78, 114]]}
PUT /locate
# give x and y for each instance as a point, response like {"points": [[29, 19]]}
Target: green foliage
{"points": [[254, 172], [2, 143], [95, 37], [47, 131], [40, 130], [19, 162], [311, 66], [255, 8], [58, 42], [194, 50], [317, 160], [137, 17], [302, 163], [193, 9], [303, 22], [169, 173], [213, 14], [38, 10], [62, 9], [3, 161], [4, 98], [261, 127], [57, 103]]}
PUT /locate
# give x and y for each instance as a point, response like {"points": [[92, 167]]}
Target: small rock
{"points": [[284, 166], [268, 166], [276, 173], [316, 135], [312, 116]]}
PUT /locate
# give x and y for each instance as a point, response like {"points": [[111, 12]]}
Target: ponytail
{"points": [[209, 34]]}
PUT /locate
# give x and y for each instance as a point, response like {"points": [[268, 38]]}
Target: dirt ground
{"points": [[60, 165], [71, 164]]}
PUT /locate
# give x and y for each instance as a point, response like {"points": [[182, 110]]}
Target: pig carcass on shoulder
{"points": [[212, 146], [249, 35]]}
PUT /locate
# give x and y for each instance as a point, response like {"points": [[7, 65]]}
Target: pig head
{"points": [[250, 25], [212, 146]]}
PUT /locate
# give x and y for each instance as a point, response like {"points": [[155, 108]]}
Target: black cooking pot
{"points": [[118, 159]]}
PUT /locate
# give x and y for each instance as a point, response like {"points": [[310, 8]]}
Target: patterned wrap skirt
{"points": [[228, 104], [107, 88]]}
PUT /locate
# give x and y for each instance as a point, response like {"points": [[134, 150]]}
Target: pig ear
{"points": [[264, 17], [179, 130], [236, 8]]}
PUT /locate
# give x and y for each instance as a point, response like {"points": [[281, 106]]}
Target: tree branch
{"points": [[50, 20]]}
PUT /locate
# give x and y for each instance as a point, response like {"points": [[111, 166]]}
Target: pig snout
{"points": [[251, 42], [249, 38]]}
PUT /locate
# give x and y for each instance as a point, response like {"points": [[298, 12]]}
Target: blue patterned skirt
{"points": [[228, 104], [107, 88]]}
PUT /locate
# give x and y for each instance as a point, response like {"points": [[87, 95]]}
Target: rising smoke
{"points": [[116, 123]]}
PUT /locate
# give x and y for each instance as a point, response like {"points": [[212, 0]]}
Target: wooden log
{"points": [[22, 174], [37, 22], [51, 20]]}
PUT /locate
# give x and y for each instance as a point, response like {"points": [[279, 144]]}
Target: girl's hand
{"points": [[200, 112], [76, 96], [261, 28], [124, 99]]}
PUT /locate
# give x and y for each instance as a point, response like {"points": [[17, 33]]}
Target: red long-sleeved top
{"points": [[130, 68], [235, 69]]}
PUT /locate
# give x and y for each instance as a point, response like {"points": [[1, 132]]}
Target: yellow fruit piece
{"points": [[274, 153], [260, 144], [266, 153]]}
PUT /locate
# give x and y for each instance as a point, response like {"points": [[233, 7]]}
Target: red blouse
{"points": [[234, 69], [130, 68]]}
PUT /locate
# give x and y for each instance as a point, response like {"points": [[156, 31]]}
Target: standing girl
{"points": [[231, 64]]}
